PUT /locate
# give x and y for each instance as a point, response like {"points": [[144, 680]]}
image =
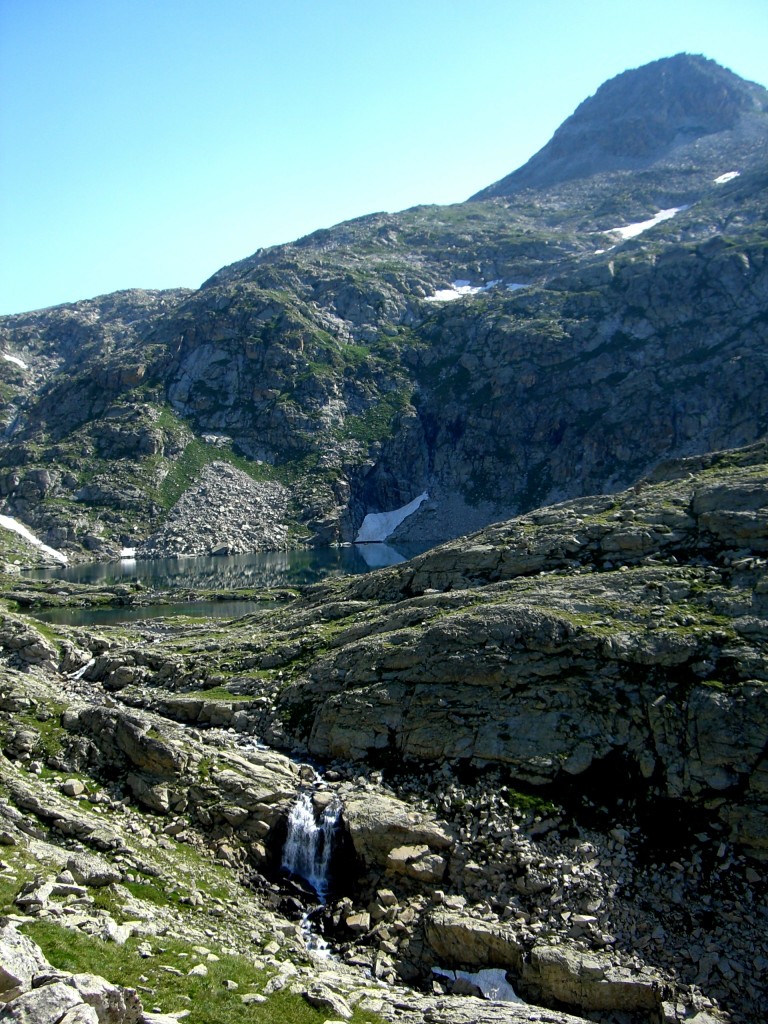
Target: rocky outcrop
{"points": [[21, 960], [170, 773], [59, 813], [465, 941], [25, 645], [642, 116], [379, 824], [554, 975], [586, 983]]}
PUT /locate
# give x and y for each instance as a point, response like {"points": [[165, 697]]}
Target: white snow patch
{"points": [[728, 176], [17, 527], [632, 230], [377, 526], [456, 291], [459, 289], [491, 981], [128, 553], [513, 286], [14, 359]]}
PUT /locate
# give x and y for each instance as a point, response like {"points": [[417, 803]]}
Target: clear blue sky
{"points": [[146, 143]]}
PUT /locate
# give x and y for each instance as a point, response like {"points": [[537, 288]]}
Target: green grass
{"points": [[207, 998], [11, 887], [106, 898], [150, 893]]}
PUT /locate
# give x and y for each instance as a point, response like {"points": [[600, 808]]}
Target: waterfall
{"points": [[309, 842]]}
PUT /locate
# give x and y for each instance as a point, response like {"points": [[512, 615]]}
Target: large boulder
{"points": [[33, 992], [20, 960], [379, 824], [48, 1004], [588, 982], [460, 940]]}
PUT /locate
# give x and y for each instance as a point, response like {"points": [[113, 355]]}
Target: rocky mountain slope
{"points": [[656, 116], [601, 309], [547, 742]]}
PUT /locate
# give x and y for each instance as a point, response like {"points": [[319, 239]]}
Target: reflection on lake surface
{"points": [[213, 572], [259, 571], [114, 615]]}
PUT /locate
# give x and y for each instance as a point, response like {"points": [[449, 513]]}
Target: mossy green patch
{"points": [[163, 979], [12, 883], [377, 421], [529, 802], [47, 725]]}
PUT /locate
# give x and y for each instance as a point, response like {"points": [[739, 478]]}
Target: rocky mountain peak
{"points": [[640, 117]]}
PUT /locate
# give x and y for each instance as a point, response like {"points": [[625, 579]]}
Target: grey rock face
{"points": [[459, 938], [90, 870], [586, 983], [377, 824], [21, 960]]}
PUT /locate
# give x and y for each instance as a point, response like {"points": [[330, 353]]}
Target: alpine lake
{"points": [[129, 589]]}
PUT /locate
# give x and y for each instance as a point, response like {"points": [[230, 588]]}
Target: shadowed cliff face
{"points": [[555, 338]]}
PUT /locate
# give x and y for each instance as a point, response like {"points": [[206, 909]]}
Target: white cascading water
{"points": [[309, 842]]}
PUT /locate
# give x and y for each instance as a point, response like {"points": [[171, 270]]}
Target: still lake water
{"points": [[262, 570]]}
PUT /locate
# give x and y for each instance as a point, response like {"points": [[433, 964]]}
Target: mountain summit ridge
{"points": [[638, 118]]}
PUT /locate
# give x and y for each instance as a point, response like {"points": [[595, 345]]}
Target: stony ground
{"points": [[549, 742], [224, 513]]}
